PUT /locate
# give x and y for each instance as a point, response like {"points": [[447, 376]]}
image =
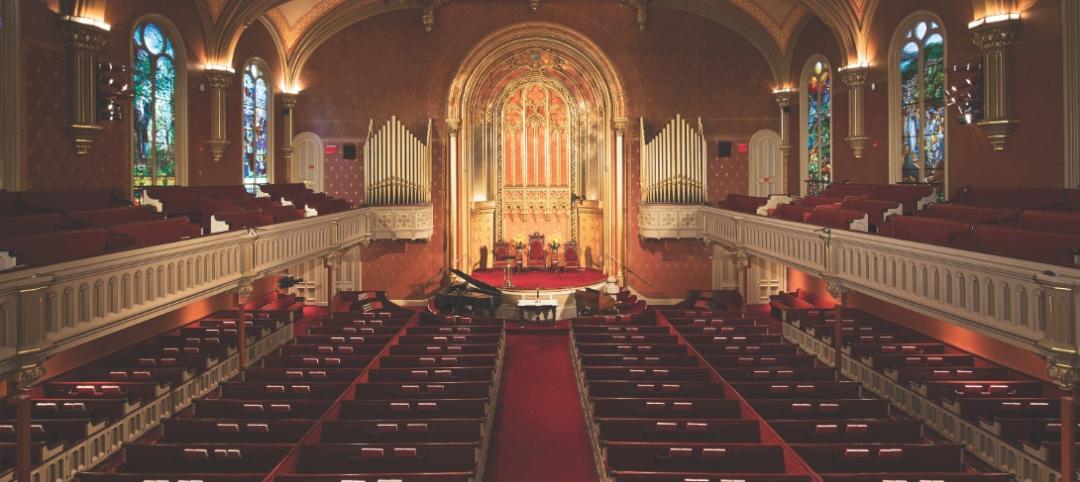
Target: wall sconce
{"points": [[966, 94], [114, 85]]}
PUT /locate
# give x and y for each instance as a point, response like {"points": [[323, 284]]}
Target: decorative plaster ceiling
{"points": [[292, 18]]}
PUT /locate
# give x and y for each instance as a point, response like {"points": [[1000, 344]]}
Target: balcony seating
{"points": [[970, 214], [942, 232], [55, 247], [65, 201], [815, 201], [743, 203], [101, 218], [1011, 198], [791, 212], [844, 190], [839, 218], [31, 224], [150, 233], [910, 197], [877, 211], [1050, 248], [1050, 221]]}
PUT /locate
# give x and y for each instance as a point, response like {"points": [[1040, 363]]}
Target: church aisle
{"points": [[539, 431]]}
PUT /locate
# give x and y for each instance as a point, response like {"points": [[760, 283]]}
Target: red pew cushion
{"points": [[942, 232], [1050, 221], [969, 214], [50, 248], [150, 233]]}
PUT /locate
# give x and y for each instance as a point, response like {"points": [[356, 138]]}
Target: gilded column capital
{"points": [[81, 35], [288, 100], [619, 125], [784, 97], [1064, 371], [854, 77], [994, 36], [220, 79], [453, 126], [835, 288], [244, 288]]}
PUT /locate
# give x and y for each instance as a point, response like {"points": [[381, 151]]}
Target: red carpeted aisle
{"points": [[539, 433]]}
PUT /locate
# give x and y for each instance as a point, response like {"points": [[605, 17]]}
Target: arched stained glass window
{"points": [[921, 64], [154, 106], [818, 102], [256, 126]]}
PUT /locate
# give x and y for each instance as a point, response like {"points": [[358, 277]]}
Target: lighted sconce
{"points": [[219, 68], [114, 85], [967, 93], [1004, 17]]}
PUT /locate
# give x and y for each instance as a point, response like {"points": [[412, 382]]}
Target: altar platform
{"points": [[558, 286]]}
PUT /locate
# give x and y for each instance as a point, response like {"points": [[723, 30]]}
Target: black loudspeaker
{"points": [[723, 149], [349, 152]]}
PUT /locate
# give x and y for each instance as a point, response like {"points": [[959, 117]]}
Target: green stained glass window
{"points": [[922, 103], [154, 105]]}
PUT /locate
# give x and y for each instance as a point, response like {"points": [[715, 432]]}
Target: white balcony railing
{"points": [[47, 309], [1029, 304]]}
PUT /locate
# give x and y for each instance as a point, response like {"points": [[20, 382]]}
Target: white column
{"points": [[619, 234], [783, 99], [453, 226]]}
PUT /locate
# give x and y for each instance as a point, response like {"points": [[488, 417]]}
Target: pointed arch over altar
{"points": [[536, 115]]}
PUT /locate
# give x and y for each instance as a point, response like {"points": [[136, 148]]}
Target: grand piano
{"points": [[471, 295]]}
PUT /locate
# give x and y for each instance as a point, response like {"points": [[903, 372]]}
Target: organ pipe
{"points": [[674, 166], [397, 165]]}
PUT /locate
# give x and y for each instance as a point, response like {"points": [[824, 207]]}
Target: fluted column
{"points": [[84, 38], [995, 39], [220, 79], [854, 77], [288, 101], [618, 228], [783, 99], [459, 204]]}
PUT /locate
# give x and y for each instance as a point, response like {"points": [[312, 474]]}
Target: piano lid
{"points": [[473, 281]]}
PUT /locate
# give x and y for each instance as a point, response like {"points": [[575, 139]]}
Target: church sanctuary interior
{"points": [[539, 240]]}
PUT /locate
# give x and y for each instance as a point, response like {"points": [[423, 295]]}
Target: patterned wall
{"points": [[344, 178]]}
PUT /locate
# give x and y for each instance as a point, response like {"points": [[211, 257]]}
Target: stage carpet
{"points": [[527, 280], [539, 433]]}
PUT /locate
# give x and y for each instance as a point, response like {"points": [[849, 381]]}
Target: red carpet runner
{"points": [[539, 433]]}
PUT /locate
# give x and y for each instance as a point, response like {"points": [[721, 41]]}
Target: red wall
{"points": [[50, 162], [682, 64], [1034, 157]]}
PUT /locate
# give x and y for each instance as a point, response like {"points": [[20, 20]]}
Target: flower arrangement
{"points": [[555, 243], [519, 242]]}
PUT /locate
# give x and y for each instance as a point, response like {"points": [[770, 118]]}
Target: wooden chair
{"points": [[537, 254], [570, 256]]}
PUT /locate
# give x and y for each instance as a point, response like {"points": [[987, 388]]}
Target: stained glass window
{"points": [[256, 134], [819, 126], [154, 104], [922, 103]]}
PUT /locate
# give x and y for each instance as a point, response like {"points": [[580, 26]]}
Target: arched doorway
{"points": [[536, 131], [308, 162], [766, 164]]}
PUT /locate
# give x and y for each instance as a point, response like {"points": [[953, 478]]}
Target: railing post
{"points": [[1068, 436], [23, 441], [839, 293]]}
